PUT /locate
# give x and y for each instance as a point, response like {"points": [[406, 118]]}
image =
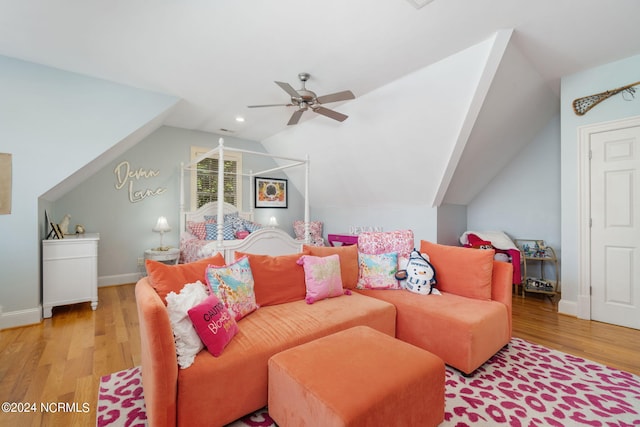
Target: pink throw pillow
{"points": [[213, 323], [322, 277]]}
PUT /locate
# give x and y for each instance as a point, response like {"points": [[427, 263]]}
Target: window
{"points": [[204, 179]]}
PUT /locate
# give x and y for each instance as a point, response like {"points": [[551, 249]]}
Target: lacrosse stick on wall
{"points": [[582, 105]]}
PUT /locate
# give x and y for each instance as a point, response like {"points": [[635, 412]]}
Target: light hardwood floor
{"points": [[63, 358]]}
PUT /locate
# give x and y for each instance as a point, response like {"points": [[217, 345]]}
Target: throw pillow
{"points": [[212, 231], [378, 271], [188, 343], [198, 229], [278, 279], [322, 277], [462, 271], [348, 261], [380, 242], [166, 278], [214, 324], [233, 285]]}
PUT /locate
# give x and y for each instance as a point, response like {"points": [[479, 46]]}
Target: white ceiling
{"points": [[220, 56]]}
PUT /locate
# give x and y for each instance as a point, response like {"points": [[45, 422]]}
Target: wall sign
{"points": [[126, 176]]}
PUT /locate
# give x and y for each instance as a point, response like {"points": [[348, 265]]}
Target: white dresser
{"points": [[69, 271]]}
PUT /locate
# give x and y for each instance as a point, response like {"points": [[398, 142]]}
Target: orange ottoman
{"points": [[357, 377]]}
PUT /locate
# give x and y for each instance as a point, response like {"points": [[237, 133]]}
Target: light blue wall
{"points": [[589, 82], [125, 226], [53, 123], [523, 200]]}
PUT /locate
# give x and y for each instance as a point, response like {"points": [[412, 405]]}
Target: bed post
{"points": [[307, 233], [251, 195], [220, 218], [182, 219]]}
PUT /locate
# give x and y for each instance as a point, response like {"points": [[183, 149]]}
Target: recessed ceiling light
{"points": [[418, 4], [239, 119]]}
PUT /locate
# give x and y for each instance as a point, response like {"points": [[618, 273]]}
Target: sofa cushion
{"points": [[321, 277], [166, 278], [461, 271], [188, 343], [233, 284], [278, 279], [348, 261], [213, 323], [464, 332], [378, 271]]}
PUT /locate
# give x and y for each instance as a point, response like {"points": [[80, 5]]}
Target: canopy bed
{"points": [[214, 226]]}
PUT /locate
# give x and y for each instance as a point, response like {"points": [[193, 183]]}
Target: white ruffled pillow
{"points": [[188, 343]]}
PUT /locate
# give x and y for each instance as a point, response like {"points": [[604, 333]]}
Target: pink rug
{"points": [[523, 385]]}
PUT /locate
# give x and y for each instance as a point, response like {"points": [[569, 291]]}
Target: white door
{"points": [[615, 230]]}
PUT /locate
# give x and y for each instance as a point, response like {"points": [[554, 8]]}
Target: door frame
{"points": [[584, 208]]}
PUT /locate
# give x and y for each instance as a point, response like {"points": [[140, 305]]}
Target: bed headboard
{"points": [[211, 208]]}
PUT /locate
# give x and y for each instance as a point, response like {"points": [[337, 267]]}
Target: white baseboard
{"points": [[568, 307], [13, 319], [119, 279]]}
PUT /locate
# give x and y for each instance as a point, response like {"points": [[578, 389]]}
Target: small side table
{"points": [[169, 257], [345, 239]]}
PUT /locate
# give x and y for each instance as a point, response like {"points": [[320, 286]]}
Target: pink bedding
{"points": [[191, 249]]}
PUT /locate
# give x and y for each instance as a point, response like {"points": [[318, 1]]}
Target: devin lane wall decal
{"points": [[5, 183], [125, 177]]}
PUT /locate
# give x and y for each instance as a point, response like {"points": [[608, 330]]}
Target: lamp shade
{"points": [[273, 222], [162, 225]]}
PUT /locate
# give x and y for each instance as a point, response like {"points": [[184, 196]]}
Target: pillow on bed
{"points": [[233, 284], [198, 229], [278, 279], [166, 278], [348, 261], [212, 231]]}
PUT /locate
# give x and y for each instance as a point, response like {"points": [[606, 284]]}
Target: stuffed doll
{"points": [[420, 275]]}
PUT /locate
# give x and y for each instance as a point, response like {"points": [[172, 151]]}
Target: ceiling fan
{"points": [[305, 100]]}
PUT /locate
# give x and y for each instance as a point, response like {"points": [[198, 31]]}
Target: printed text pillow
{"points": [[214, 324], [233, 285]]}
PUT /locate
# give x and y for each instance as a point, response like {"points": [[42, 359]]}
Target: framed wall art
{"points": [[271, 193]]}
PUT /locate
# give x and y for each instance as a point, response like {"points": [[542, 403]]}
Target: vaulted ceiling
{"points": [[219, 57]]}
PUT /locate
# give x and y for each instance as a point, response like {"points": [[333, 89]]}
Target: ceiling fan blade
{"points": [[295, 117], [269, 105], [289, 89], [331, 114], [335, 97]]}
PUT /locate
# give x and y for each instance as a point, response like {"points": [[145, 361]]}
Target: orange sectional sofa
{"points": [[464, 326]]}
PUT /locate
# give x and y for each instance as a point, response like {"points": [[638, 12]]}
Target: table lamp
{"points": [[162, 226]]}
